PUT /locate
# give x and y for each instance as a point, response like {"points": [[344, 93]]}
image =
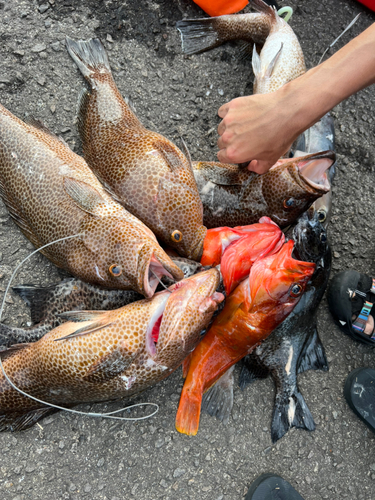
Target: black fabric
{"points": [[272, 487], [359, 392], [341, 305]]}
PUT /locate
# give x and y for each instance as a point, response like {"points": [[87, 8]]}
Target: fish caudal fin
{"points": [[218, 400], [198, 35], [90, 56], [19, 421], [251, 370], [290, 411], [313, 356], [188, 413]]}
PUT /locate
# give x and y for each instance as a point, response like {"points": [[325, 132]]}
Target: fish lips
{"points": [[312, 169], [187, 311]]}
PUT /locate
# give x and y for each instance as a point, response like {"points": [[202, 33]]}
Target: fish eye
{"points": [[176, 236], [323, 238], [322, 216], [296, 290], [115, 270], [289, 203]]}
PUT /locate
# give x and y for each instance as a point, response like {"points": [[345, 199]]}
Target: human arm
{"points": [[260, 128]]}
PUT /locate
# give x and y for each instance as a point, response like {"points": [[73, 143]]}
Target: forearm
{"points": [[316, 92]]}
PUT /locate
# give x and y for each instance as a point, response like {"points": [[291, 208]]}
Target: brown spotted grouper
{"points": [[51, 193], [143, 170], [107, 355]]}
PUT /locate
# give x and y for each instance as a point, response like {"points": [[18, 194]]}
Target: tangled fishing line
{"points": [[89, 414]]}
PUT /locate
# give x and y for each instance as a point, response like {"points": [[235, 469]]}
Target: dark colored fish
{"points": [[295, 345], [143, 170], [107, 355], [199, 35], [48, 302], [234, 196], [51, 193]]}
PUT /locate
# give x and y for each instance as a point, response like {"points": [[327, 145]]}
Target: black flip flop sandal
{"points": [[272, 487], [359, 392], [343, 306]]}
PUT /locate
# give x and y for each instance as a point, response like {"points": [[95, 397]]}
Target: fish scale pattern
{"points": [[42, 181], [112, 361], [145, 171], [246, 198]]}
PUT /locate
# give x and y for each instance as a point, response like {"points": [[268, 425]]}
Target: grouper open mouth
{"points": [[313, 168], [179, 306], [154, 272]]}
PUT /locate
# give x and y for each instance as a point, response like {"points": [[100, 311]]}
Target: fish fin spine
{"points": [[90, 57], [263, 7]]}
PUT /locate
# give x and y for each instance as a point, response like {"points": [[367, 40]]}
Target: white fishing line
{"points": [[89, 414], [338, 38]]}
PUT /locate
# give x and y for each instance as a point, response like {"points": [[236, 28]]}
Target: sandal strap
{"points": [[373, 286], [360, 323]]}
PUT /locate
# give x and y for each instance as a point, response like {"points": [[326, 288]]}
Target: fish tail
{"points": [[19, 421], [90, 57], [290, 411], [198, 35], [188, 413]]}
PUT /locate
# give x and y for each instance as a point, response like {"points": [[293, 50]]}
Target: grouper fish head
{"points": [[183, 312], [114, 253], [275, 285], [180, 218], [292, 185]]}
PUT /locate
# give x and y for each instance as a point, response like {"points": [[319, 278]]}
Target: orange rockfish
{"points": [[107, 355], [143, 170], [253, 310], [237, 249]]}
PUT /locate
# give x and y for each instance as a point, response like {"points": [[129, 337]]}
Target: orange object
{"points": [[255, 308], [236, 249], [221, 7]]}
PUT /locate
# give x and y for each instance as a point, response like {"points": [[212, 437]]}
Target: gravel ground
{"points": [[69, 457]]}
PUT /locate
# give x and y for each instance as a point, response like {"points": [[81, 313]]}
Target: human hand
{"points": [[255, 129]]}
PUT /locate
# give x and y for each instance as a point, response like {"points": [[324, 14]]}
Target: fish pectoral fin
{"points": [[86, 197], [255, 62], [99, 320], [19, 421], [273, 63], [218, 400], [170, 154], [110, 365], [224, 174]]}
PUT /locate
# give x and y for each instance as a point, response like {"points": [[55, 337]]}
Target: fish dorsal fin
{"points": [[112, 364], [170, 154], [98, 320], [13, 349], [86, 197], [223, 174], [273, 63], [255, 62], [34, 122]]}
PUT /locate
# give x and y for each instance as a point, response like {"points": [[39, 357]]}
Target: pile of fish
{"points": [[172, 261]]}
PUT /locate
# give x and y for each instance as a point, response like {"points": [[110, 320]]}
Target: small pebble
{"points": [[42, 8], [39, 47]]}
